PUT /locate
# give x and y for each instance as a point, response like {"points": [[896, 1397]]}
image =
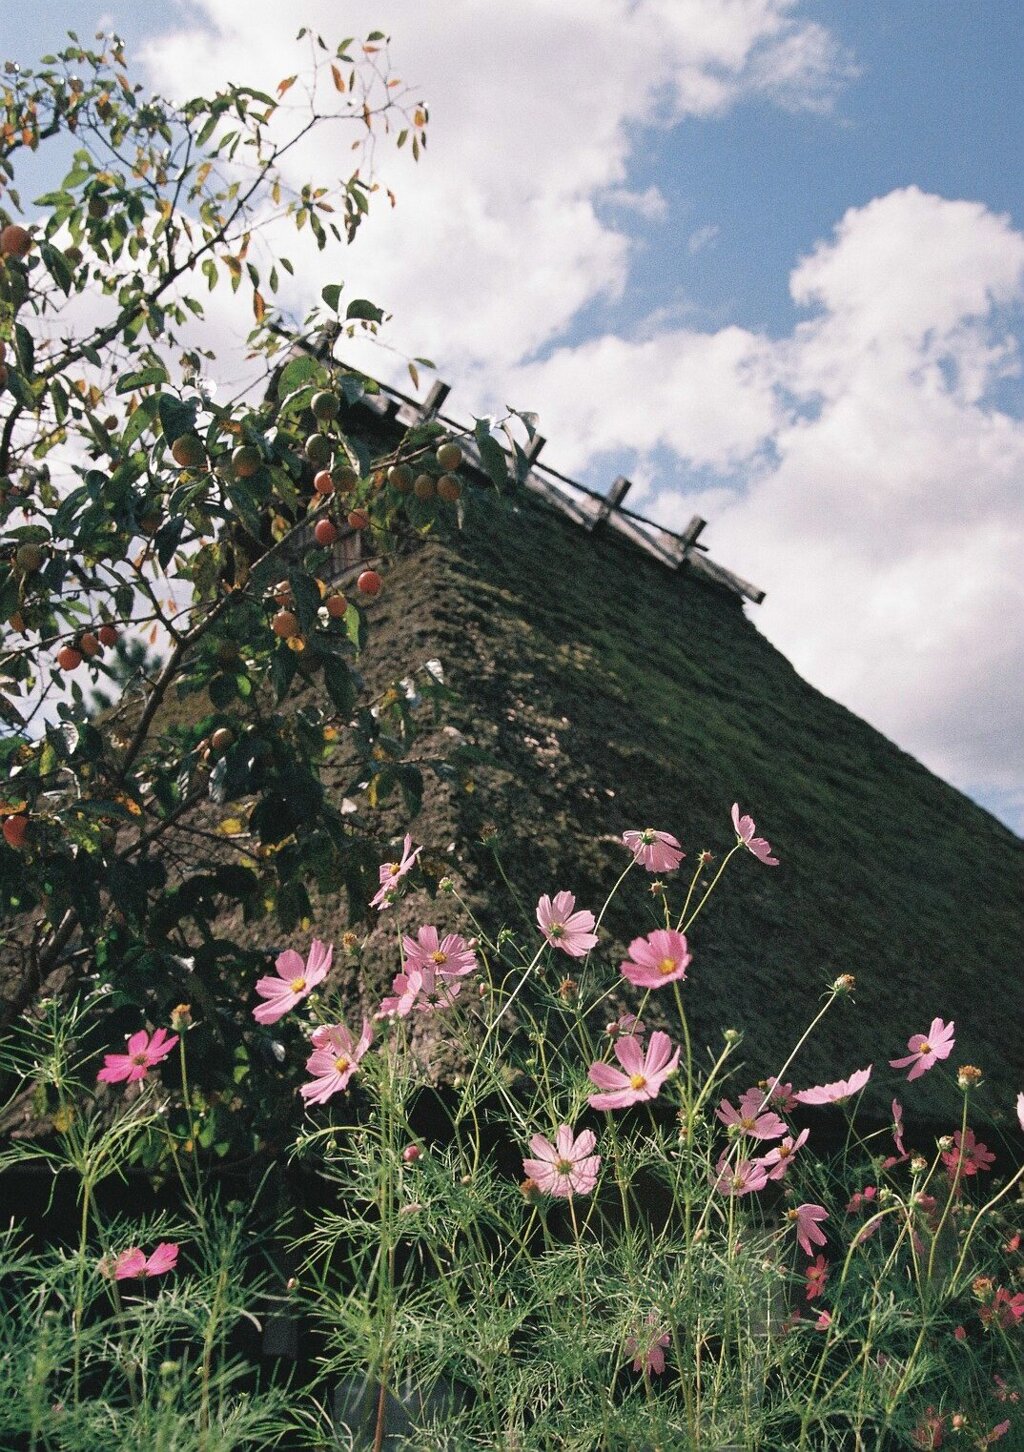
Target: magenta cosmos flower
{"points": [[131, 1264], [567, 1167], [565, 928], [648, 1345], [657, 851], [661, 957], [295, 981], [808, 1221], [643, 1076], [451, 956], [745, 832], [143, 1053], [968, 1156], [391, 874], [334, 1060], [837, 1092], [927, 1049]]}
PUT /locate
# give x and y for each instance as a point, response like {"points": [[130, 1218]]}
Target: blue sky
{"points": [[765, 257]]}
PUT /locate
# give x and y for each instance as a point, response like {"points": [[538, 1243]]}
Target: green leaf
{"points": [[306, 597], [295, 373], [222, 691], [145, 378], [491, 454], [338, 683], [368, 311], [331, 293], [139, 420], [58, 266], [283, 665], [355, 626], [176, 416]]}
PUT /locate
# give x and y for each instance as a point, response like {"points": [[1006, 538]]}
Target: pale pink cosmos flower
{"points": [[824, 1321], [1020, 1109], [422, 990], [661, 957], [131, 1264], [757, 845], [745, 1177], [295, 981], [648, 1345], [405, 991], [779, 1157], [927, 1049], [564, 927], [747, 1119], [835, 1093], [143, 1053], [657, 851], [808, 1218], [644, 1074], [391, 874], [334, 1060], [566, 1168], [450, 956]]}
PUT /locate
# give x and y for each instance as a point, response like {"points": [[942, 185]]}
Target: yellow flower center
{"points": [[556, 930], [341, 1064], [924, 1048], [298, 985], [637, 1081], [564, 1167], [140, 1059], [667, 965], [439, 957], [748, 1123], [784, 1150]]}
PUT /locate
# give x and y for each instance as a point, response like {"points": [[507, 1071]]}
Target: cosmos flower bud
{"points": [[181, 1017], [845, 983], [967, 1076]]}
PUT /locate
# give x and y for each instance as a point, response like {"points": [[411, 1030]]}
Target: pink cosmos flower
{"points": [[644, 1075], [780, 1096], [1020, 1109], [930, 1432], [837, 1092], [295, 981], [816, 1276], [1006, 1309], [897, 1138], [780, 1156], [808, 1231], [745, 832], [566, 1168], [745, 1177], [565, 928], [749, 1120], [661, 957], [824, 1321], [406, 988], [143, 1053], [927, 1049], [967, 1156], [649, 1344], [860, 1198], [657, 851], [334, 1060], [131, 1264], [626, 1023], [391, 874], [451, 956]]}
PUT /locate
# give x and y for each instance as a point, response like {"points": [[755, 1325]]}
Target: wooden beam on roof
{"points": [[435, 398], [616, 494]]}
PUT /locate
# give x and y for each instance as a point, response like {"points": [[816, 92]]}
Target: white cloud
{"points": [[702, 237], [860, 469]]}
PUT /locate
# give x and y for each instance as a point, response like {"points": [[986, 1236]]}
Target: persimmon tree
{"points": [[158, 545]]}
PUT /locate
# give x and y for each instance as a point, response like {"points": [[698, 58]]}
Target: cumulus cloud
{"points": [[862, 469]]}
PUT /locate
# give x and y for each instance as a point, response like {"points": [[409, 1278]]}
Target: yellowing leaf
{"points": [[339, 79], [259, 307], [286, 85], [231, 827]]}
